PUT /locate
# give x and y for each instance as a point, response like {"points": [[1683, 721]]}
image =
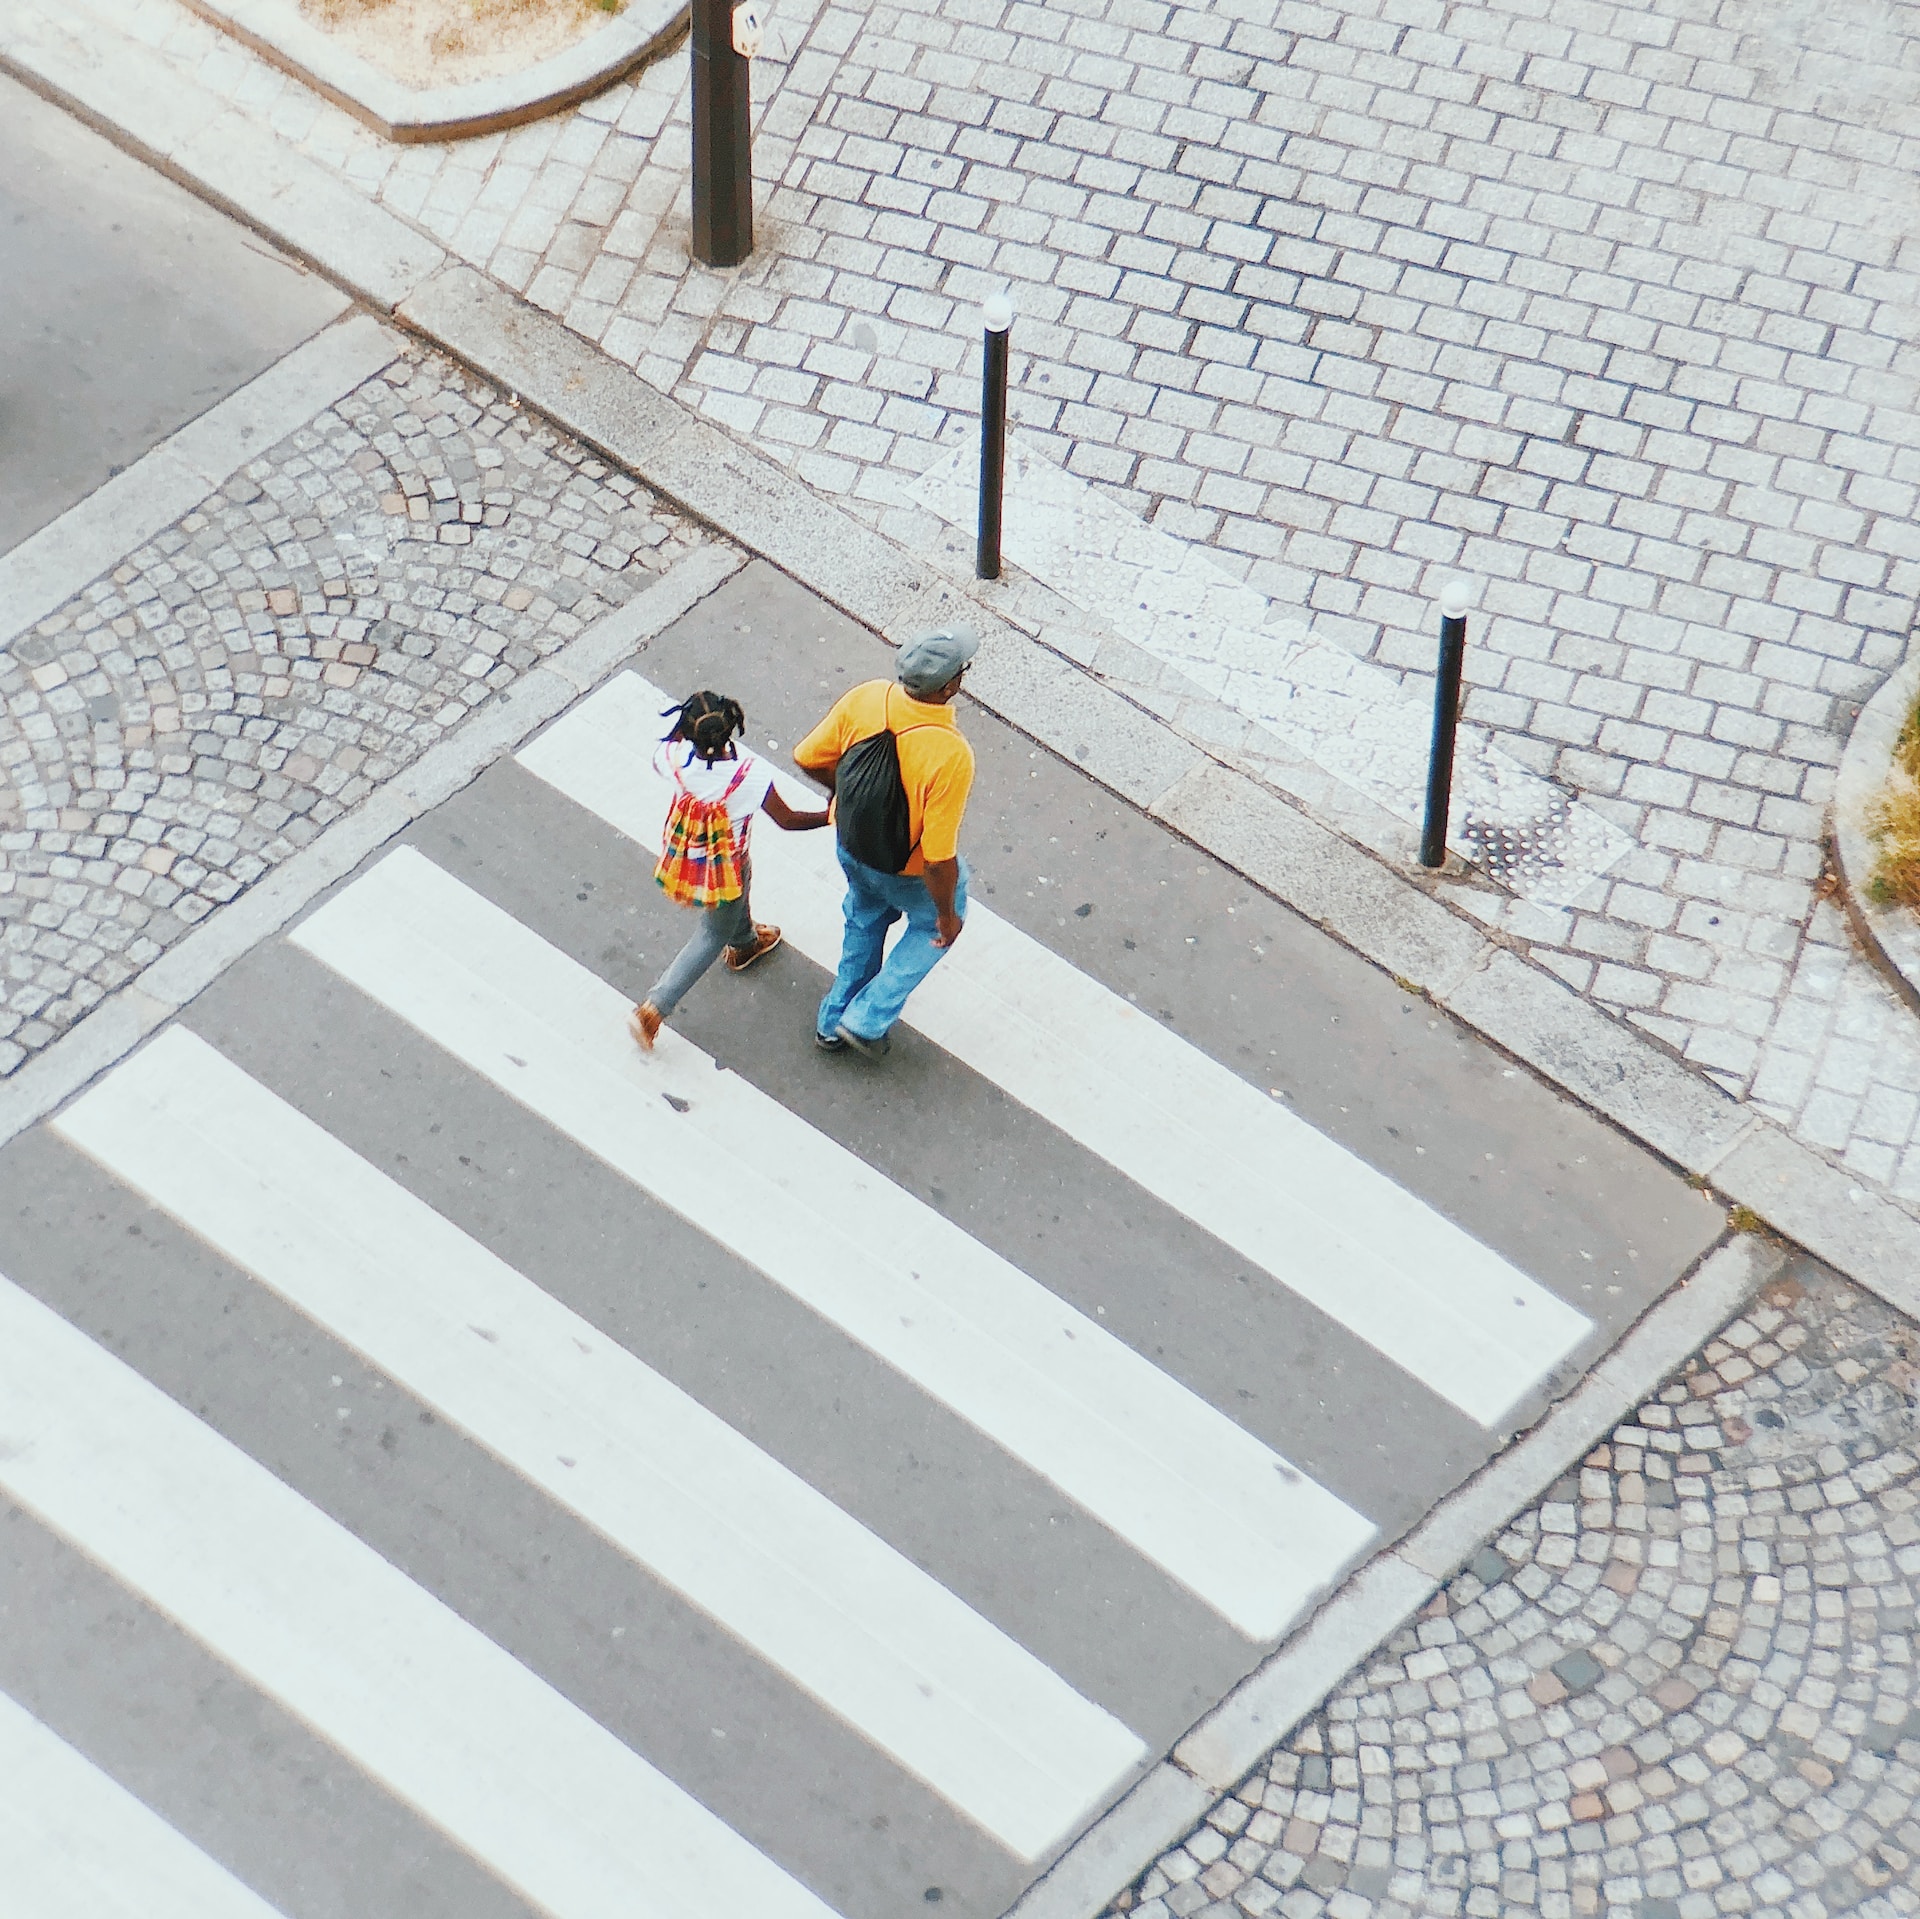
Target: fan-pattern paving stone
{"points": [[186, 723], [1610, 306], [1682, 1685]]}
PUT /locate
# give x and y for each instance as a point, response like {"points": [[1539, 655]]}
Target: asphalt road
{"points": [[130, 308], [680, 1257]]}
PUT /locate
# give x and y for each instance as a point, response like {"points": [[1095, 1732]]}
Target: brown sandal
{"points": [[765, 939]]}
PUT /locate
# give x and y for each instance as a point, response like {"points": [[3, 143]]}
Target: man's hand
{"points": [[943, 880]]}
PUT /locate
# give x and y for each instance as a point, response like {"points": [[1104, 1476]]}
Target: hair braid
{"points": [[708, 722]]}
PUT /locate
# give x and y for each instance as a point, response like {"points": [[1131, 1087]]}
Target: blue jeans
{"points": [[872, 984], [728, 924]]}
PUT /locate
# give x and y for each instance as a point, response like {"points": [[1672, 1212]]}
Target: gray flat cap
{"points": [[928, 661]]}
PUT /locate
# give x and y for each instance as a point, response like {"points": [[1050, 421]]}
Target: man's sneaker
{"points": [[644, 1024], [765, 939], [872, 1048], [828, 1042]]}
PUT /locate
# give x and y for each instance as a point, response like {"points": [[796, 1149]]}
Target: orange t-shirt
{"points": [[936, 763]]}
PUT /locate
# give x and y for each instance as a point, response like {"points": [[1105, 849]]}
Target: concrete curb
{"points": [[120, 1023], [1378, 1599], [44, 572], [1891, 934], [277, 30]]}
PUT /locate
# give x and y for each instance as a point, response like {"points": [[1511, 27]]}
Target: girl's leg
{"points": [[709, 938], [728, 924]]}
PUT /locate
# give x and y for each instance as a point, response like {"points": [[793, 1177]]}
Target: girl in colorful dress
{"points": [[704, 863]]}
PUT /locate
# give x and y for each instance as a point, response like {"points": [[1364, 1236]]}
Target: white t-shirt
{"points": [[706, 782]]}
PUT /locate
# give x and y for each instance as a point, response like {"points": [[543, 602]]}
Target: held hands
{"points": [[788, 818]]}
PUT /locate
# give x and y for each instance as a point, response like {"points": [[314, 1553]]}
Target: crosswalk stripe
{"points": [[944, 1693], [533, 1788], [1198, 1495], [76, 1844], [1341, 1234]]}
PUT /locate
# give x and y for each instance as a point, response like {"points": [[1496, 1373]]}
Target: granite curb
{"points": [[277, 30], [217, 153], [1890, 933]]}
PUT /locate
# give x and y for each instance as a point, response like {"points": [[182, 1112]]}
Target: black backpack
{"points": [[870, 802]]}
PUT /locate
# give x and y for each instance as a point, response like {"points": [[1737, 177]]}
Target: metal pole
{"points": [[722, 146], [997, 315], [1454, 599]]}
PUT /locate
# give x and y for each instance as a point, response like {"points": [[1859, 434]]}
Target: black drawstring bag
{"points": [[870, 802]]}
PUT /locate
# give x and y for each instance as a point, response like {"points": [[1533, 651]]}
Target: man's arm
{"points": [[942, 877], [945, 803]]}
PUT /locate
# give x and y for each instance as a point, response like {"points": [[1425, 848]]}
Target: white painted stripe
{"points": [[1366, 1252], [543, 1797], [942, 1692], [76, 1844], [1189, 1489]]}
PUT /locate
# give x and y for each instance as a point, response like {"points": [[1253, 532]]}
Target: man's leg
{"points": [[872, 1011], [868, 912]]}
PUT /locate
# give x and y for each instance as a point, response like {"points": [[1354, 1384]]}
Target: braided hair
{"points": [[708, 722]]}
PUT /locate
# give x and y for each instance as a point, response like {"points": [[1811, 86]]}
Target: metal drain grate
{"points": [[1501, 827]]}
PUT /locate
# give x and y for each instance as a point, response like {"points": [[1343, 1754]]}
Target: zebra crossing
{"points": [[627, 1470], [1398, 1274]]}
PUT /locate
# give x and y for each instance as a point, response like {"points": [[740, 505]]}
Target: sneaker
{"points": [[872, 1048], [828, 1043], [765, 939], [644, 1024]]}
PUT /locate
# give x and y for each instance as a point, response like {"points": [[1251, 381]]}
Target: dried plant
{"points": [[1894, 820]]}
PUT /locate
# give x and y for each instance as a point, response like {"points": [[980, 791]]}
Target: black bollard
{"points": [[722, 139], [1454, 598], [998, 317]]}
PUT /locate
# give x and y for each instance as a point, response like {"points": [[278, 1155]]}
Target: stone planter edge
{"points": [[276, 30], [1891, 934]]}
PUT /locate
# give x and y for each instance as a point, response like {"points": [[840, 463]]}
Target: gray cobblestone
{"points": [[184, 724], [1681, 1685]]}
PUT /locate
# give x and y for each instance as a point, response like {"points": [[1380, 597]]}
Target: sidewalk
{"points": [[1605, 313]]}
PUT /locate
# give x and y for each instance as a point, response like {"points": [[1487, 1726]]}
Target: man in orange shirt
{"points": [[912, 818]]}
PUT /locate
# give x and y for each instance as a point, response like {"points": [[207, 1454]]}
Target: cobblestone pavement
{"points": [[1681, 1685], [1610, 307], [181, 726]]}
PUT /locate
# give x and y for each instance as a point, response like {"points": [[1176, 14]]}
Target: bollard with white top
{"points": [[997, 320], [1455, 597]]}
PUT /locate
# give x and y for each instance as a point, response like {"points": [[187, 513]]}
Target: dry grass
{"points": [[441, 42], [1894, 821]]}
